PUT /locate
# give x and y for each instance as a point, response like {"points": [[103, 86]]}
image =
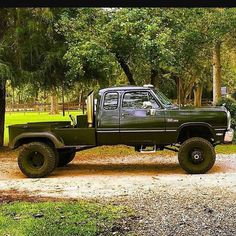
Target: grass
{"points": [[226, 149], [21, 118], [59, 218]]}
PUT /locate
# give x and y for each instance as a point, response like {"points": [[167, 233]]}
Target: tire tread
{"points": [[51, 162]]}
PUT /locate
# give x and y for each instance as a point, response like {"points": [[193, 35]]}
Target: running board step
{"points": [[147, 149]]}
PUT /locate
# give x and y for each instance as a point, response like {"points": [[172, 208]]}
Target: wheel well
{"points": [[195, 131], [29, 140]]}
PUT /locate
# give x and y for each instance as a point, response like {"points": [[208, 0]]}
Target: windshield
{"points": [[164, 100]]}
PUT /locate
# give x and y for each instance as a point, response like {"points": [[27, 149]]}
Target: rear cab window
{"points": [[111, 101]]}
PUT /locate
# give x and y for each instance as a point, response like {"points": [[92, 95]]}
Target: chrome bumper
{"points": [[229, 135]]}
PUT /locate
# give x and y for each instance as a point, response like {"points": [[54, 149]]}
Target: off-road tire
{"points": [[46, 153], [186, 160], [65, 156]]}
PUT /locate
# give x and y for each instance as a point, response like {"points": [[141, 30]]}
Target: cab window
{"points": [[111, 101], [139, 100]]}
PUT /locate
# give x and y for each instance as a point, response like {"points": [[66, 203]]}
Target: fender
{"points": [[56, 141], [191, 124]]}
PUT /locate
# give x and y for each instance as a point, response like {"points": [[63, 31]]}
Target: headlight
{"points": [[228, 120]]}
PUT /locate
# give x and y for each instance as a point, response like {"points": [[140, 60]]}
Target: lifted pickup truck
{"points": [[141, 117]]}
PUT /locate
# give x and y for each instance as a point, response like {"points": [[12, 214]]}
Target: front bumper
{"points": [[229, 135]]}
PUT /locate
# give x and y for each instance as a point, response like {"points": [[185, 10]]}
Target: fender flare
{"points": [[47, 135], [191, 124]]}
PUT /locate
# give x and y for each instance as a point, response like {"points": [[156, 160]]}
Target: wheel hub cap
{"points": [[197, 156], [37, 159]]}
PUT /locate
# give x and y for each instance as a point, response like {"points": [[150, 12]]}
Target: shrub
{"points": [[230, 104], [234, 95]]}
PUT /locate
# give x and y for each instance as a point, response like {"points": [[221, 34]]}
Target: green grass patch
{"points": [[59, 218], [226, 149]]}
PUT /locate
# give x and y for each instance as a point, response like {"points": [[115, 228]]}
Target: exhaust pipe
{"points": [[90, 109]]}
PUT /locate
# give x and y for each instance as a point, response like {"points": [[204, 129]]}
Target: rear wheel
{"points": [[37, 160], [65, 156], [196, 155]]}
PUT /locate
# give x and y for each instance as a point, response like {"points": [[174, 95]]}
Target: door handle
{"points": [[124, 114]]}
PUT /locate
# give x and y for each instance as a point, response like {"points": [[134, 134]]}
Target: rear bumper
{"points": [[229, 135]]}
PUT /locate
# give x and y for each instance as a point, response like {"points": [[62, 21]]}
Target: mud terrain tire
{"points": [[196, 155], [37, 160]]}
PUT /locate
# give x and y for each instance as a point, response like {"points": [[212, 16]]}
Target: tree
{"points": [[5, 68], [31, 52], [220, 24], [87, 57]]}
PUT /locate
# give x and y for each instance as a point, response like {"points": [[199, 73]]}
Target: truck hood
{"points": [[216, 116]]}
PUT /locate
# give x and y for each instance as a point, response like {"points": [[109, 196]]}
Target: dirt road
{"points": [[116, 176], [167, 201]]}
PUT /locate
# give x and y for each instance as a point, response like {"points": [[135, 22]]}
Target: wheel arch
{"points": [[195, 129], [44, 137]]}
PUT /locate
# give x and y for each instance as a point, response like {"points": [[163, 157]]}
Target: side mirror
{"points": [[151, 112]]}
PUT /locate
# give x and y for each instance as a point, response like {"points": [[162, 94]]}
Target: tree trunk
{"points": [[13, 99], [2, 110], [81, 94], [154, 78], [180, 92], [198, 95], [3, 27], [126, 69], [54, 103], [216, 73], [63, 100]]}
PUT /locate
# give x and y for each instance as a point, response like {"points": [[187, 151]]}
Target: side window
{"points": [[110, 101], [138, 100]]}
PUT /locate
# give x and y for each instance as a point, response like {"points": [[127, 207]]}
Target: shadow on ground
{"points": [[125, 169]]}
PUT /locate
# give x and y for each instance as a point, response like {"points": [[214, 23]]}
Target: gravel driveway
{"points": [[166, 201]]}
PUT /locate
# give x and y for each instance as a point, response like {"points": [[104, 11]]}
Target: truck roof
{"points": [[126, 87]]}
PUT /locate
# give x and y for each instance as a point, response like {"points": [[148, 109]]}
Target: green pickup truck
{"points": [[141, 117]]}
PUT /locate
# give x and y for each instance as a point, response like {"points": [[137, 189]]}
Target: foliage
{"points": [[230, 104], [47, 50], [234, 95], [98, 46], [87, 59]]}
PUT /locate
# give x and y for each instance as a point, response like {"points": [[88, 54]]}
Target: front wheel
{"points": [[196, 155], [37, 160]]}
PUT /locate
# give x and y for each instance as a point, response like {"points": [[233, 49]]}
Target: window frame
{"points": [[104, 99]]}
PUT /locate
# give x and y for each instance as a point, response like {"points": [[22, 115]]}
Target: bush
{"points": [[230, 104], [234, 95]]}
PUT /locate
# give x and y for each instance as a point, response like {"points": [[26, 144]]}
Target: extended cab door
{"points": [[108, 119], [142, 119]]}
